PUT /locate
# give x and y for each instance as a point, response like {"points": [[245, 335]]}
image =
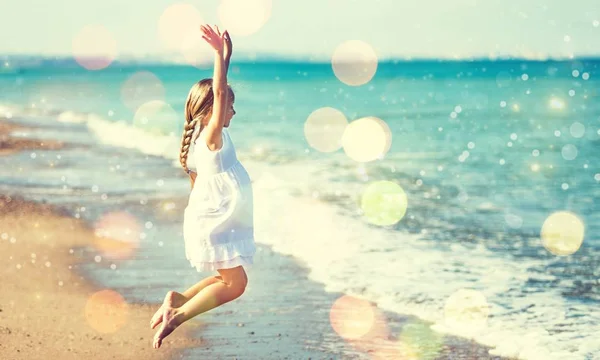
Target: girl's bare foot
{"points": [[171, 319], [176, 299]]}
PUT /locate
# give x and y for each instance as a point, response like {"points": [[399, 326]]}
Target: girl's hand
{"points": [[213, 37], [228, 45]]}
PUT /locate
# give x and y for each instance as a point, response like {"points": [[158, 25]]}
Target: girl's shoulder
{"points": [[200, 142]]}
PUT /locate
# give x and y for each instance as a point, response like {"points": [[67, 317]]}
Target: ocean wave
{"points": [[407, 274]]}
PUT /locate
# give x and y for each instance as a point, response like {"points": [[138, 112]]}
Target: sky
{"points": [[314, 28]]}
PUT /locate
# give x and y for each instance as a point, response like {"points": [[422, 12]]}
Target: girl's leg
{"points": [[194, 289], [232, 286], [178, 299]]}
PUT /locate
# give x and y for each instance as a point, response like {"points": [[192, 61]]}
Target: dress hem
{"points": [[245, 261]]}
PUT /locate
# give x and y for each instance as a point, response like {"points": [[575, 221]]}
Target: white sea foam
{"points": [[122, 134], [403, 274]]}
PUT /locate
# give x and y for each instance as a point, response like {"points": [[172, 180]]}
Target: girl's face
{"points": [[230, 113]]}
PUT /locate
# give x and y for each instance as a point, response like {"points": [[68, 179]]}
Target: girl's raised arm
{"points": [[228, 50], [214, 128]]}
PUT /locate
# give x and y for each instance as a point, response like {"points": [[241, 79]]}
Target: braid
{"points": [[188, 130]]}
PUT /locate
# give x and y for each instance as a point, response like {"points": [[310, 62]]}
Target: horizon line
{"points": [[171, 59]]}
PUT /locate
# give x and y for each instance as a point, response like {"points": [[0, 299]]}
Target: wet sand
{"points": [[9, 144]]}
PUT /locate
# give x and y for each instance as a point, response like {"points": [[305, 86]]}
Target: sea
{"points": [[490, 155]]}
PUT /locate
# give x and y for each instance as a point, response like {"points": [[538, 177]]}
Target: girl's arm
{"points": [[214, 128], [227, 51], [192, 178]]}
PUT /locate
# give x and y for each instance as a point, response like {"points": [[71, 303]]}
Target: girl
{"points": [[218, 221]]}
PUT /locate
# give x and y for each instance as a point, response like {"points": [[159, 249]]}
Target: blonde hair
{"points": [[198, 106]]}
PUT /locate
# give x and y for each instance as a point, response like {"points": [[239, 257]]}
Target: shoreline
{"points": [[10, 145], [42, 278], [276, 319]]}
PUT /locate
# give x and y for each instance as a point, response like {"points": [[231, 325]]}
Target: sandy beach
{"points": [[48, 310]]}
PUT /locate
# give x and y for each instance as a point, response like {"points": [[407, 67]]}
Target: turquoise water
{"points": [[415, 99], [485, 151]]}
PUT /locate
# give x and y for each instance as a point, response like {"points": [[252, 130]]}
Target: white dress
{"points": [[218, 225]]}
